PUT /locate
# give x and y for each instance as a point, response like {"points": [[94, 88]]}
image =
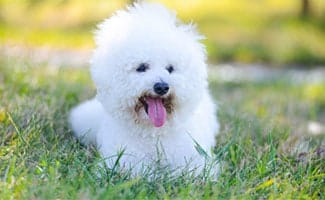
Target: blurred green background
{"points": [[277, 32]]}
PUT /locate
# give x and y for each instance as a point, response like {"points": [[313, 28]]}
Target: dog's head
{"points": [[148, 68]]}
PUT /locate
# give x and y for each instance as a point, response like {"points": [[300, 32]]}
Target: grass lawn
{"points": [[264, 146]]}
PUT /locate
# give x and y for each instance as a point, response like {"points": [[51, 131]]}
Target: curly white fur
{"points": [[147, 33]]}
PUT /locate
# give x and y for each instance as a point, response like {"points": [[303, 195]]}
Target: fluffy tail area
{"points": [[85, 120]]}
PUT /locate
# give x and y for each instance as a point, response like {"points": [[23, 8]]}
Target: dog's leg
{"points": [[85, 120]]}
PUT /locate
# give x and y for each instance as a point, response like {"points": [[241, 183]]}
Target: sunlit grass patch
{"points": [[315, 92], [247, 31], [56, 38]]}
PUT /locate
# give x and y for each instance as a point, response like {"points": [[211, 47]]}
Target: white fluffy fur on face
{"points": [[147, 34]]}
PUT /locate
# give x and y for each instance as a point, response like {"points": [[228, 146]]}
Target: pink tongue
{"points": [[156, 111]]}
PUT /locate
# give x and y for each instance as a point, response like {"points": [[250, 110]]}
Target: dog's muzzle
{"points": [[156, 107]]}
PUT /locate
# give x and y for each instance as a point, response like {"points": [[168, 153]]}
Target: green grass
{"points": [[262, 128], [268, 31]]}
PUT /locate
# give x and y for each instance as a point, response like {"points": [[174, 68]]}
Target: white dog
{"points": [[152, 92]]}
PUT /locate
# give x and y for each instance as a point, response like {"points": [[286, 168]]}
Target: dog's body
{"points": [[152, 92]]}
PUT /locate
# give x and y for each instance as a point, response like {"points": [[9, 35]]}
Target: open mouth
{"points": [[157, 108]]}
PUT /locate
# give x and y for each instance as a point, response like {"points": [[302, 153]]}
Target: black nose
{"points": [[161, 88]]}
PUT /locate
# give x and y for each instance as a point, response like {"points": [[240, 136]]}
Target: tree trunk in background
{"points": [[130, 2], [305, 8]]}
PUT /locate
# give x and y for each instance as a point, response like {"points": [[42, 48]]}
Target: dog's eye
{"points": [[170, 68], [143, 67]]}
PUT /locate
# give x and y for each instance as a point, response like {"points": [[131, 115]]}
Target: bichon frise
{"points": [[152, 92]]}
